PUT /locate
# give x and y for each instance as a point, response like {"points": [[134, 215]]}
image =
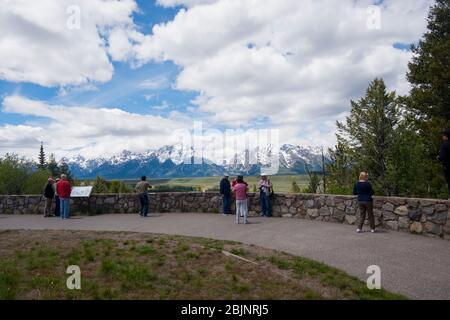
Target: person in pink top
{"points": [[240, 190]]}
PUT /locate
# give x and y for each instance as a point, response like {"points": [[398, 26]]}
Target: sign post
{"points": [[82, 192]]}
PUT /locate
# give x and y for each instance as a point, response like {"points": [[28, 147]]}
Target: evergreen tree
{"points": [[314, 180], [100, 186], [342, 169], [429, 100], [294, 187], [369, 132], [41, 163], [123, 188], [64, 169], [429, 70], [52, 166], [117, 187]]}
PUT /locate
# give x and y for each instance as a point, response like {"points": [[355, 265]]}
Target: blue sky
{"points": [[123, 90], [196, 66]]}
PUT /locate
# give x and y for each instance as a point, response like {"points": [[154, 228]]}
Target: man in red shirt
{"points": [[63, 188]]}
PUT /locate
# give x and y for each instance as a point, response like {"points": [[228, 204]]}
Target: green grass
{"points": [[239, 252], [332, 277], [144, 266], [282, 183]]}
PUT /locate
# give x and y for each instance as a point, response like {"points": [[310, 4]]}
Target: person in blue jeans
{"points": [[64, 204], [265, 187], [143, 199], [64, 189], [225, 191], [142, 189]]}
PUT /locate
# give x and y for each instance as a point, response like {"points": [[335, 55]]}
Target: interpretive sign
{"points": [[81, 192]]}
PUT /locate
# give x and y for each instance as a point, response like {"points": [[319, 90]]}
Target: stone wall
{"points": [[421, 216]]}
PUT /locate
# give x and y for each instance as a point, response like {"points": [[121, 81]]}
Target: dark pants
{"points": [[264, 198], [57, 207], [143, 198], [48, 207], [226, 203], [366, 208], [447, 178]]}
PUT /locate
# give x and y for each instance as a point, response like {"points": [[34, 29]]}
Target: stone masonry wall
{"points": [[420, 216]]}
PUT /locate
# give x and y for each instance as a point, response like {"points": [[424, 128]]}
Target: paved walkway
{"points": [[416, 266]]}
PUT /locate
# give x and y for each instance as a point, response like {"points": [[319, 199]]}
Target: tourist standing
{"points": [[63, 188], [444, 157], [265, 188], [240, 190], [363, 189], [49, 194], [142, 189], [57, 202], [235, 182], [225, 191]]}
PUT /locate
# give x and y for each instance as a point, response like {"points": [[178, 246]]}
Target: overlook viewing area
{"points": [[411, 264]]}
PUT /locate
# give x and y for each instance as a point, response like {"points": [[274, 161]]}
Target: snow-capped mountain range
{"points": [[175, 161]]}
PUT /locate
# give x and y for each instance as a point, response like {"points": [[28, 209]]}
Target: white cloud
{"points": [[149, 97], [82, 130], [285, 60], [164, 106], [37, 46], [186, 3], [294, 64], [155, 83]]}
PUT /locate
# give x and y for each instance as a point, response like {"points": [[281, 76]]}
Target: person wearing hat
{"points": [[265, 188], [49, 194], [444, 157], [225, 191]]}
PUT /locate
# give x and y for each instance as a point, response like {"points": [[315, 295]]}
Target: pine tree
{"points": [[100, 186], [429, 100], [123, 188], [314, 180], [42, 164], [369, 132], [429, 70], [342, 169], [52, 166], [294, 187], [64, 169]]}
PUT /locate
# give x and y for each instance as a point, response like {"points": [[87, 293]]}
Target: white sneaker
{"points": [[358, 230]]}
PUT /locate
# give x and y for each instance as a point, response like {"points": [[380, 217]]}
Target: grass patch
{"points": [[283, 183], [9, 280], [328, 276], [239, 252], [117, 265]]}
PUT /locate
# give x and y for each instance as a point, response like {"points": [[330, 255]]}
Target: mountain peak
{"points": [[169, 162]]}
